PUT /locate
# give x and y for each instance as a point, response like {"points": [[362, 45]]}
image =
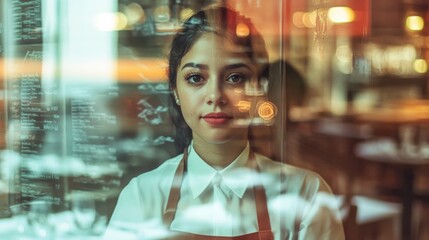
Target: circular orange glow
{"points": [[297, 19], [267, 110], [242, 30]]}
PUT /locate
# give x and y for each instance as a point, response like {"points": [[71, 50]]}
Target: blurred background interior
{"points": [[84, 106]]}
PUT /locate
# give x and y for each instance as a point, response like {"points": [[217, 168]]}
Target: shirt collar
{"points": [[201, 174]]}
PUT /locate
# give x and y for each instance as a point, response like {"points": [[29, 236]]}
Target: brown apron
{"points": [[264, 225]]}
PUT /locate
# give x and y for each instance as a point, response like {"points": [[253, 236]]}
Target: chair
{"points": [[330, 152]]}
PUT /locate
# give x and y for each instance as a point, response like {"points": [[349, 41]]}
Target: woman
{"points": [[219, 186]]}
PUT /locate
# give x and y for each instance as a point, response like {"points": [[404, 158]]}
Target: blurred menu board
{"points": [[116, 131], [90, 136], [35, 125], [34, 106], [145, 136], [74, 134], [27, 21]]}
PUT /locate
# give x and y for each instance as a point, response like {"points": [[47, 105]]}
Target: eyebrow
{"points": [[195, 65], [205, 67]]}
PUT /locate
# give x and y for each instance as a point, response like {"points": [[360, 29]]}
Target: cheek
{"points": [[188, 105], [240, 103], [238, 95], [235, 94], [187, 96]]}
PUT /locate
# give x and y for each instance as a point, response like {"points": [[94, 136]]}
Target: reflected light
{"points": [[415, 23], [110, 21], [344, 53], [309, 19], [134, 13], [341, 15], [243, 106], [420, 65], [267, 110], [144, 69], [297, 19], [344, 56], [162, 14], [185, 14], [396, 60], [242, 30]]}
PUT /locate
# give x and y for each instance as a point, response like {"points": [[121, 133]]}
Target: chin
{"points": [[221, 135], [224, 139]]}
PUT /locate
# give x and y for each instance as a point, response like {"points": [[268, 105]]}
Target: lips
{"points": [[217, 118]]}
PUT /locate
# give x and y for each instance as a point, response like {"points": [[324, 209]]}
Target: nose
{"points": [[215, 94]]}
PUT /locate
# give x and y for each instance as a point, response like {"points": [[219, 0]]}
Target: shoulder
{"points": [[147, 189], [293, 178], [163, 173], [268, 165], [307, 191]]}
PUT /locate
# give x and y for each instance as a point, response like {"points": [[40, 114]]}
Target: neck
{"points": [[219, 155]]}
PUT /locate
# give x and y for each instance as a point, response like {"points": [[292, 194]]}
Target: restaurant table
{"points": [[403, 122], [361, 130], [407, 166], [327, 146]]}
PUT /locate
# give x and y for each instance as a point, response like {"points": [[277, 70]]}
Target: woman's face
{"points": [[211, 79]]}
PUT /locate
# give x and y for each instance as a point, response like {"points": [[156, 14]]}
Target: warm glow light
{"points": [[297, 19], [242, 30], [186, 13], [145, 69], [267, 110], [110, 21], [243, 106], [392, 59], [420, 65], [134, 13], [162, 13], [344, 56], [309, 19], [415, 23], [344, 53], [341, 15]]}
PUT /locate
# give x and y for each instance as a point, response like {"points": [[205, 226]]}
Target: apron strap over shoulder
{"points": [[260, 200], [174, 196]]}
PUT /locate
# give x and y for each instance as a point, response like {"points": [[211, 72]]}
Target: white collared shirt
{"points": [[201, 174], [204, 208], [293, 194]]}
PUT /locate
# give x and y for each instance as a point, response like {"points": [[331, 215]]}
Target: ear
{"points": [[176, 97]]}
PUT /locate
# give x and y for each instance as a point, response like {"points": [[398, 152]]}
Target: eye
{"points": [[194, 78], [236, 78]]}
